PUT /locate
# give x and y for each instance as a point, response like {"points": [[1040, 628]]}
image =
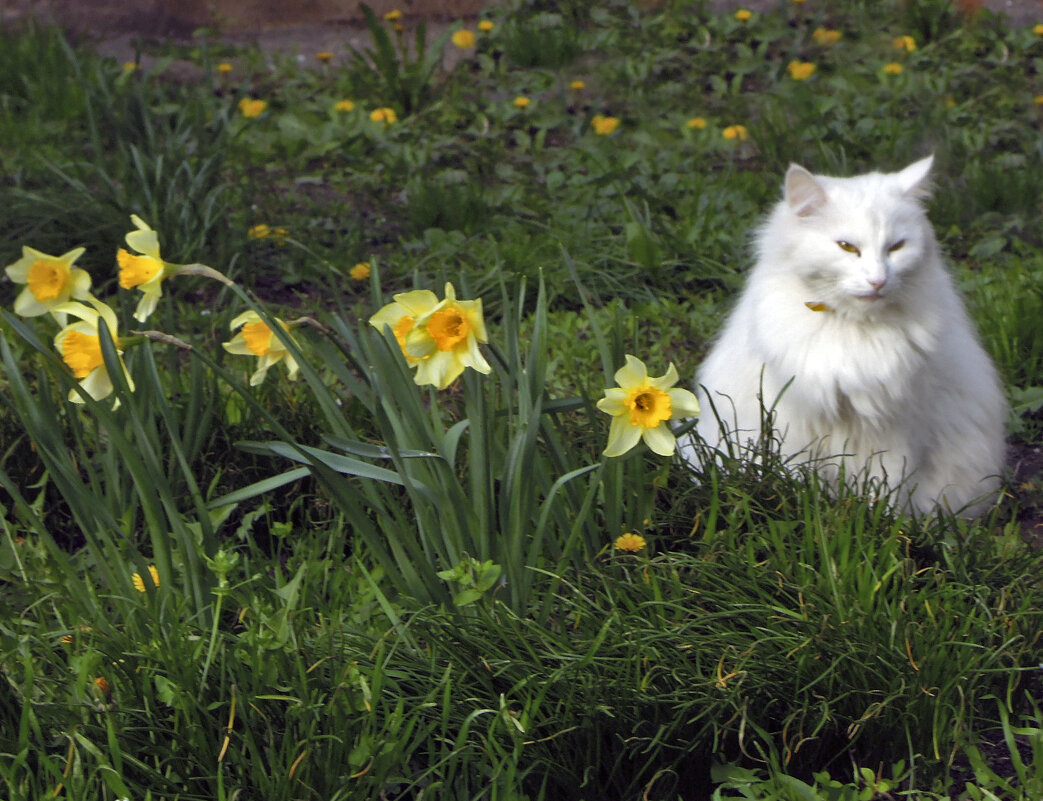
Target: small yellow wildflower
{"points": [[385, 115], [736, 132], [279, 235], [344, 105], [578, 86], [630, 542], [894, 68], [393, 16], [251, 107], [486, 25], [826, 36], [602, 125], [255, 338], [224, 68], [743, 14], [800, 70], [361, 271], [906, 43], [641, 408], [464, 39], [259, 231], [67, 639], [1039, 100], [1038, 29], [521, 101], [325, 56], [129, 66], [697, 123], [102, 687], [139, 582]]}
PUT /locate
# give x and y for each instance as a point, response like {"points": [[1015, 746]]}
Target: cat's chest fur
{"points": [[850, 330]]}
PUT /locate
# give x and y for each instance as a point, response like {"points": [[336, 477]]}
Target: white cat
{"points": [[850, 325]]}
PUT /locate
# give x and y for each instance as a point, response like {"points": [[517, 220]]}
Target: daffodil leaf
{"points": [[368, 451], [260, 487]]}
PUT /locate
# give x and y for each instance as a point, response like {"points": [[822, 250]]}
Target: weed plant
{"points": [[352, 587]]}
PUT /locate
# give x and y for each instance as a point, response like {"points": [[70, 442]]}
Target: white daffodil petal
{"points": [[660, 440], [146, 305], [665, 381], [631, 374], [621, 436], [146, 242], [683, 403]]}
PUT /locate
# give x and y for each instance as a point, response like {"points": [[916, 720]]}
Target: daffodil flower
{"points": [[79, 345], [49, 282], [255, 338], [641, 408], [401, 315], [144, 269], [445, 341]]}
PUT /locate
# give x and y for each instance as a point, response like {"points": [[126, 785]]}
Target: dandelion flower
{"points": [[325, 56], [743, 14], [145, 269], [736, 132], [578, 86], [464, 39], [129, 66], [906, 43], [826, 36], [251, 107], [385, 115], [1038, 29], [521, 101], [486, 25], [361, 271], [603, 126], [255, 338], [894, 68], [641, 408], [393, 16], [49, 281], [696, 123], [800, 70], [630, 542], [139, 582], [102, 687], [344, 105], [79, 345], [224, 68]]}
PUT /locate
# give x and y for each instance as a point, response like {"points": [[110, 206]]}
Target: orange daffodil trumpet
{"points": [[255, 338], [439, 338], [145, 269], [50, 281], [79, 345], [641, 408]]}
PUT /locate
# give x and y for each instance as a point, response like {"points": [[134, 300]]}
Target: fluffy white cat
{"points": [[851, 327]]}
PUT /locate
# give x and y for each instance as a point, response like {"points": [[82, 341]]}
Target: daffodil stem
{"points": [[156, 336], [309, 321], [213, 639], [205, 271]]}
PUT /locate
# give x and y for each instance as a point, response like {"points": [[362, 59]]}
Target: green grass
{"points": [[369, 590]]}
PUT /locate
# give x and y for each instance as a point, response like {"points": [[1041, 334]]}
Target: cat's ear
{"points": [[914, 181], [803, 192]]}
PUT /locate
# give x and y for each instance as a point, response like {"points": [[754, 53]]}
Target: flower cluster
{"points": [[439, 338]]}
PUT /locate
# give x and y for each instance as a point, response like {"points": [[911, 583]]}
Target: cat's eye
{"points": [[896, 246], [847, 247]]}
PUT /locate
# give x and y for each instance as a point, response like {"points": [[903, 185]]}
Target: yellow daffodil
{"points": [[641, 408], [344, 105], [894, 68], [145, 269], [139, 582], [603, 126], [251, 107], [826, 36], [79, 345], [464, 39], [906, 43], [578, 86], [385, 115], [697, 123], [486, 25], [743, 15], [521, 101], [361, 271], [800, 70], [736, 132], [255, 338], [49, 281], [224, 68], [325, 56], [630, 542], [438, 337]]}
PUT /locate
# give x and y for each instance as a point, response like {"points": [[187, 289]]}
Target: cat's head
{"points": [[856, 241]]}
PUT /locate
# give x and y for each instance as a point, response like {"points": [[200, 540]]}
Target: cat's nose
{"points": [[877, 283]]}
